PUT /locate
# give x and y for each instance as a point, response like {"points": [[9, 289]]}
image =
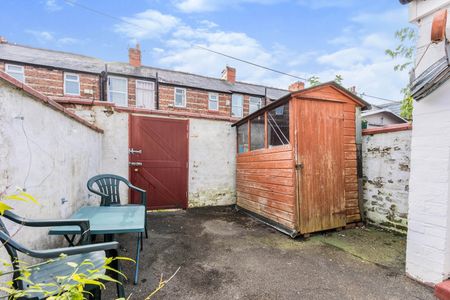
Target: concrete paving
{"points": [[225, 254]]}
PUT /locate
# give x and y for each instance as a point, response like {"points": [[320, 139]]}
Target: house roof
{"points": [[383, 111], [81, 63], [356, 98], [393, 107]]}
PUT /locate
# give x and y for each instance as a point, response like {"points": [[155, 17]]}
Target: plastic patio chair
{"points": [[47, 273], [108, 188]]}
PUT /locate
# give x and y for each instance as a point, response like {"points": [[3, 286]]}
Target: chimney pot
{"points": [[134, 56], [296, 86], [229, 74], [352, 89], [3, 40]]}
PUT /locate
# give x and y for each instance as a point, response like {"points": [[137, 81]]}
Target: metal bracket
{"points": [[299, 166], [133, 151]]}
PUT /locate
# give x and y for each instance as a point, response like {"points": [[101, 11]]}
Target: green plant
{"points": [[404, 52], [315, 80]]}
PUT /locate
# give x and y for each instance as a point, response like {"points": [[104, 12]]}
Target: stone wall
{"points": [[386, 159]]}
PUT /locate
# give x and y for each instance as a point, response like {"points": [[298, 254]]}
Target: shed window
{"points": [[180, 97], [213, 101], [118, 90], [145, 94], [278, 125], [242, 138], [254, 104], [257, 133], [15, 71], [237, 102], [71, 84]]}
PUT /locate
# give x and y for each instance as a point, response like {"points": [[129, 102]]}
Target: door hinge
{"points": [[134, 151]]}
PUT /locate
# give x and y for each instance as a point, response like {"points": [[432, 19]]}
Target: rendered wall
{"points": [[212, 163], [386, 160], [50, 155]]}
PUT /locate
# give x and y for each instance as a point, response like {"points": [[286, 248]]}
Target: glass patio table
{"points": [[109, 220]]}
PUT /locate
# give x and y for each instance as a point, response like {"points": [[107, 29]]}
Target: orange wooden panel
{"points": [[285, 207], [284, 164], [274, 196], [275, 156], [320, 149], [270, 172], [262, 178], [251, 207], [353, 218], [266, 186]]}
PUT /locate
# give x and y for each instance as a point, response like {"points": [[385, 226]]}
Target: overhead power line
{"points": [[74, 3]]}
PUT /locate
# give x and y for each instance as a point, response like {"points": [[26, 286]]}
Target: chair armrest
{"points": [[54, 253], [143, 194], [82, 223]]}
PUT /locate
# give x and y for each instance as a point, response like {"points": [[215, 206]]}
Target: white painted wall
{"points": [[428, 243], [386, 160], [212, 163], [50, 155]]}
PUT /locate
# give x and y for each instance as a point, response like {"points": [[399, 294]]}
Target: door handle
{"points": [[135, 163], [134, 151]]}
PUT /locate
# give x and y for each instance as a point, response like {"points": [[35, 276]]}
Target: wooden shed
{"points": [[297, 160]]}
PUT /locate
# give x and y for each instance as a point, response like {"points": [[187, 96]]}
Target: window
{"points": [[257, 133], [213, 101], [242, 138], [15, 71], [145, 94], [180, 97], [71, 84], [278, 125], [118, 90], [254, 104], [237, 101]]}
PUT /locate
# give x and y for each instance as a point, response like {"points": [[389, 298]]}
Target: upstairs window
{"points": [[118, 90], [145, 94], [278, 126], [242, 138], [213, 101], [237, 102], [15, 71], [254, 104], [71, 84], [180, 97]]}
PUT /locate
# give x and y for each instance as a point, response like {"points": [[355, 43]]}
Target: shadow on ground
{"points": [[224, 254]]}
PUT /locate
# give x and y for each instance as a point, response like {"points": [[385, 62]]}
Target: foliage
{"points": [[315, 80], [405, 52]]}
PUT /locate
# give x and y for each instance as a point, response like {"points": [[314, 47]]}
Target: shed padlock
{"points": [[299, 166]]}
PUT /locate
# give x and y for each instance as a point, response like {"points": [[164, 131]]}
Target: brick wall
{"points": [[51, 83]]}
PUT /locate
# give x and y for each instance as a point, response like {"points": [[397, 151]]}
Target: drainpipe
{"points": [[157, 91], [103, 83], [359, 161]]}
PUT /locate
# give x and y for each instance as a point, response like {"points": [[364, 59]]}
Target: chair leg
{"points": [[138, 248], [146, 231]]}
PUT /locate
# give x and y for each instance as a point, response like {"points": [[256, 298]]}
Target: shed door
{"points": [[163, 172], [320, 150]]}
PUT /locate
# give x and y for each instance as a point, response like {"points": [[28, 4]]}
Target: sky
{"points": [[301, 37]]}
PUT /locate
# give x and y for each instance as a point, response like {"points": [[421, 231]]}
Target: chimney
{"points": [[229, 74], [352, 89], [296, 86], [3, 40], [134, 56]]}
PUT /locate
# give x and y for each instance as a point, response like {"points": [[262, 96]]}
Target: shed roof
{"points": [[361, 102], [82, 63]]}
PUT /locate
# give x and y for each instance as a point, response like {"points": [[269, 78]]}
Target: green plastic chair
{"points": [[108, 188], [46, 273]]}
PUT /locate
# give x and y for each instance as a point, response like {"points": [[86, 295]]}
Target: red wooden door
{"points": [[159, 163], [321, 153]]}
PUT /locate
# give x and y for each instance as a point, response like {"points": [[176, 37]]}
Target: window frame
{"points": [[153, 90], [175, 97], [126, 89], [241, 107], [78, 81], [19, 66], [250, 102], [209, 101]]}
